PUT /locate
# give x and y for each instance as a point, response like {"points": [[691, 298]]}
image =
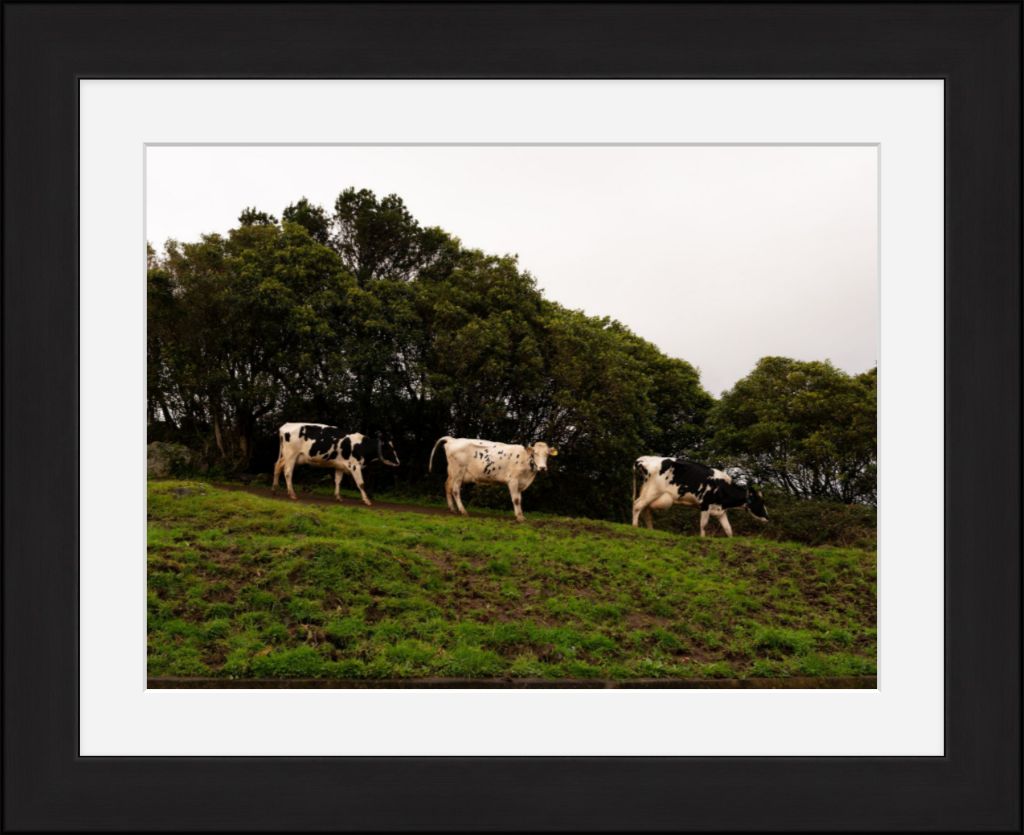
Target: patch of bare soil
{"points": [[644, 620]]}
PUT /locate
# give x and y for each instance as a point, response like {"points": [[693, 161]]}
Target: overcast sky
{"points": [[718, 255]]}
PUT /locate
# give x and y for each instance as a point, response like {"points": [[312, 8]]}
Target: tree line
{"points": [[363, 318]]}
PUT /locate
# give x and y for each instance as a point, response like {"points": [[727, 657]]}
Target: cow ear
{"points": [[553, 452]]}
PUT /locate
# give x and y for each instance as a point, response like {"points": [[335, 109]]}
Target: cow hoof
{"points": [[293, 497], [337, 499], [368, 504]]}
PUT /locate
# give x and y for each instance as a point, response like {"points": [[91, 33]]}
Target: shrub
{"points": [[809, 521]]}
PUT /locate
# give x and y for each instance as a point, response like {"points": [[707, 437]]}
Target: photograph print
{"points": [[512, 416]]}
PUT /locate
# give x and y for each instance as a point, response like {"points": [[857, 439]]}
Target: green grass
{"points": [[479, 499], [242, 586]]}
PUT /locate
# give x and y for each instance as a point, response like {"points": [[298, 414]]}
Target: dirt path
{"points": [[580, 525], [313, 498]]}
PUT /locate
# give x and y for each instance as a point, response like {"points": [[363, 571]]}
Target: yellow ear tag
{"points": [[553, 453]]}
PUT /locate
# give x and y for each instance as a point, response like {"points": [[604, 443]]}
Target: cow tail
{"points": [[430, 461]]}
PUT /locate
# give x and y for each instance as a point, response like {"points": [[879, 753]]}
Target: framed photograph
{"points": [[512, 416]]}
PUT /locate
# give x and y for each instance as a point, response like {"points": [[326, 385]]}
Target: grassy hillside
{"points": [[244, 586], [810, 522]]}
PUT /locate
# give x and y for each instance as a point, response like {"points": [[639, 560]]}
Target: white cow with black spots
{"points": [[488, 462], [327, 446], [664, 482]]}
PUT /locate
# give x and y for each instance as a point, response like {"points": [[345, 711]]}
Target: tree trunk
{"points": [[217, 436]]}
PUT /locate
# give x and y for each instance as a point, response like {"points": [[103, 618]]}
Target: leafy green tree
{"points": [[678, 402], [378, 238], [312, 218], [239, 326], [806, 427], [484, 359], [251, 216]]}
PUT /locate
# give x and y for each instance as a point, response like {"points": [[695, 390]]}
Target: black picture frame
{"points": [[974, 47]]}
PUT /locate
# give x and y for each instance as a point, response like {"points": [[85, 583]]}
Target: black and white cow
{"points": [[488, 462], [327, 446], [667, 481]]}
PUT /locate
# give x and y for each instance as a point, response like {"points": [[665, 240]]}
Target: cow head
{"points": [[755, 503], [539, 453], [386, 450]]}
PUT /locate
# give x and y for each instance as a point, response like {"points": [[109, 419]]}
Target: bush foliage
{"points": [[812, 522]]}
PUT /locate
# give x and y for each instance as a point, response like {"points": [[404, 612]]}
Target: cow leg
{"points": [[357, 477], [517, 500], [642, 506], [704, 514], [723, 520], [448, 482], [457, 495], [278, 467], [639, 506], [289, 468], [338, 474]]}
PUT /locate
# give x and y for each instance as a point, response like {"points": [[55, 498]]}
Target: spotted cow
{"points": [[488, 462], [327, 446], [667, 481]]}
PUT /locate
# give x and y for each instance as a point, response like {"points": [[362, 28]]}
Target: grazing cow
{"points": [[667, 481], [488, 462], [328, 446]]}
